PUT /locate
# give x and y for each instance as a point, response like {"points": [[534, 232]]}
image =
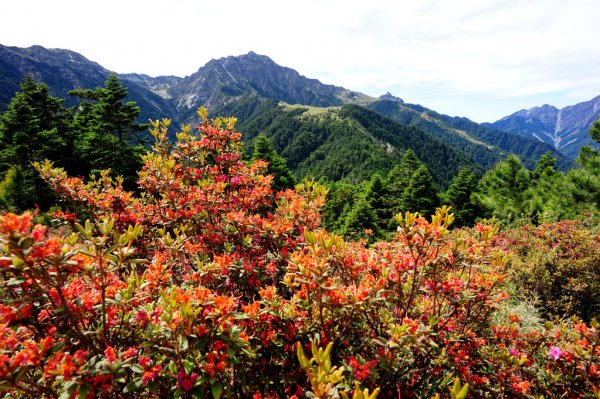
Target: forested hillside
{"points": [[482, 145]]}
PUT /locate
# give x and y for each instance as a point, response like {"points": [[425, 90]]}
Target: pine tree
{"points": [[585, 179], [459, 196], [595, 130], [36, 127], [420, 195], [282, 175], [545, 165]]}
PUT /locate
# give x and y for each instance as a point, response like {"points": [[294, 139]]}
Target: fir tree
{"points": [[420, 195], [398, 179], [110, 133], [459, 196], [36, 127], [505, 190], [341, 197], [361, 221], [282, 175]]}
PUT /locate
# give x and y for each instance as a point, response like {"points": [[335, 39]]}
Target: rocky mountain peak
{"points": [[390, 97], [566, 129]]}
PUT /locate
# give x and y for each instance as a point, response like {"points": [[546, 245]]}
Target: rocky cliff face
{"points": [[565, 129], [222, 79]]}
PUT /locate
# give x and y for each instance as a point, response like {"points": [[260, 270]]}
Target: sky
{"points": [[482, 59]]}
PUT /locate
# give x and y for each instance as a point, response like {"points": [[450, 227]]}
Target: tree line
{"points": [[100, 132]]}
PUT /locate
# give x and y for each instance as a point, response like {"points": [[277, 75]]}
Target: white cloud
{"points": [[469, 52]]}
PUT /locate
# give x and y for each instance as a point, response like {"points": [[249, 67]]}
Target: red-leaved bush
{"points": [[207, 284]]}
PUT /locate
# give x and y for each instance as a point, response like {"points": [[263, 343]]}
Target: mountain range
{"points": [[566, 129], [322, 130]]}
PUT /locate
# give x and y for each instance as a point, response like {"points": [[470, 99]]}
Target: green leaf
{"points": [[15, 281], [84, 391], [217, 390], [136, 368], [133, 385], [69, 390], [189, 366]]}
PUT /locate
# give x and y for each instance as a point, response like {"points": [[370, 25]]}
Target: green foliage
{"points": [[585, 180], [353, 209], [503, 190], [595, 130], [282, 175], [362, 222], [109, 134], [13, 190], [341, 198], [36, 126], [555, 266], [420, 194], [459, 197], [104, 108]]}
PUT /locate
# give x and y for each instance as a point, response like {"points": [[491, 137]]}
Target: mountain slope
{"points": [[480, 144], [64, 70], [224, 79], [565, 129], [341, 142], [251, 87]]}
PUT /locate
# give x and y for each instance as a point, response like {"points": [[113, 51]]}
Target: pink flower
{"points": [[555, 352]]}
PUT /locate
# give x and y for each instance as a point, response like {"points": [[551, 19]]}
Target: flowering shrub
{"points": [[207, 285], [556, 265]]}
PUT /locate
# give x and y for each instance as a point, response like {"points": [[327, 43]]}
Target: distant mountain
{"points": [[481, 145], [565, 129], [225, 79], [65, 70], [323, 130]]}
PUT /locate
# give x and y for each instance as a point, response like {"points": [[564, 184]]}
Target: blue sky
{"points": [[481, 59]]}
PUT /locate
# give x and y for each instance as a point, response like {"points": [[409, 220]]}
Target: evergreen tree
{"points": [[420, 195], [586, 180], [459, 196], [110, 133], [504, 191], [13, 191], [545, 165], [341, 197], [105, 107], [36, 127], [398, 179], [376, 197], [595, 130], [360, 220], [282, 175]]}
